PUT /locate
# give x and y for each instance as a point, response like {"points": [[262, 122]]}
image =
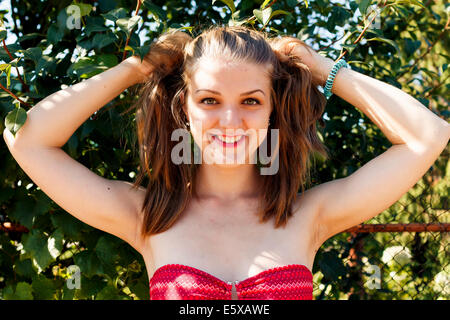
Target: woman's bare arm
{"points": [[109, 205], [418, 136], [52, 121]]}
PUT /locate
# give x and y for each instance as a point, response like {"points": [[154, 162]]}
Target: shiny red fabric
{"points": [[181, 282]]}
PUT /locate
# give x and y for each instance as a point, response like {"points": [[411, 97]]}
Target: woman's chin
{"points": [[227, 161]]}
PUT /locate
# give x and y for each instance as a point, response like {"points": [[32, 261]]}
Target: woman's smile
{"points": [[229, 141]]}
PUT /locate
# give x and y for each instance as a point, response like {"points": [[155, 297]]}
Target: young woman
{"points": [[215, 228]]}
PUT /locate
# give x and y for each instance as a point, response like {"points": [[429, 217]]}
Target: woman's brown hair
{"points": [[297, 105]]}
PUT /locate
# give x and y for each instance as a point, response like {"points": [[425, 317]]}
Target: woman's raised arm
{"points": [[109, 205], [52, 121]]}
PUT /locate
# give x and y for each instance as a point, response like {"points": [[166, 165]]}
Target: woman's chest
{"points": [[230, 247]]}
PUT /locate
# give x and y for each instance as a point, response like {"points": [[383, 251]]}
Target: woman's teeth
{"points": [[229, 139]]}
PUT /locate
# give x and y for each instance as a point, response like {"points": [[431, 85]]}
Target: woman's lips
{"points": [[228, 144]]}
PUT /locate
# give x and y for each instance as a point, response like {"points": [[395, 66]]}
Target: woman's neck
{"points": [[228, 184]]}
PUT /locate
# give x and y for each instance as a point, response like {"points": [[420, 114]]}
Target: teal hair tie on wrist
{"points": [[329, 84]]}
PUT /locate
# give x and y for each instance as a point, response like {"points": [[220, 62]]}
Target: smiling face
{"points": [[228, 106]]}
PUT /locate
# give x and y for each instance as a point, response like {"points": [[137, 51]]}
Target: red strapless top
{"points": [[181, 282]]}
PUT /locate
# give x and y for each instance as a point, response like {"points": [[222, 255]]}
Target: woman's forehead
{"points": [[219, 64], [214, 72]]}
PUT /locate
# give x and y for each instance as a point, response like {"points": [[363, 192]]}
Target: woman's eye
{"points": [[256, 101], [206, 100], [250, 99]]}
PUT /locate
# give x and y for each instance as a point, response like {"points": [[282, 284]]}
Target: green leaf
{"points": [[14, 62], [416, 2], [6, 68], [22, 212], [43, 288], [55, 243], [128, 48], [24, 268], [353, 5], [43, 203], [139, 289], [229, 3], [68, 294], [232, 22], [8, 77], [115, 14], [236, 15], [91, 286], [388, 41], [339, 16], [15, 119], [142, 51], [94, 24], [279, 12], [88, 262], [331, 265], [83, 9], [411, 46], [12, 48], [3, 34], [107, 60], [46, 64], [8, 293], [157, 11], [127, 24], [55, 34], [109, 292], [363, 5], [349, 47], [33, 54], [263, 16], [36, 245], [264, 4], [70, 226], [24, 291], [105, 250], [87, 67], [3, 31], [64, 20]]}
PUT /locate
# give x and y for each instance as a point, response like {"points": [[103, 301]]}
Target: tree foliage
{"points": [[60, 43]]}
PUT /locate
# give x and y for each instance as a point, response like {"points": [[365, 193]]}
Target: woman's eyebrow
{"points": [[242, 94]]}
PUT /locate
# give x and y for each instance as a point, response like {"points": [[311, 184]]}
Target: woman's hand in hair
{"points": [[165, 53], [141, 70], [319, 66]]}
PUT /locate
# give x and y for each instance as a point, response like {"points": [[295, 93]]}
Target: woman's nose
{"points": [[231, 118]]}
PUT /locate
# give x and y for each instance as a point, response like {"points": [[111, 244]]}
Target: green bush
{"points": [[405, 46]]}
